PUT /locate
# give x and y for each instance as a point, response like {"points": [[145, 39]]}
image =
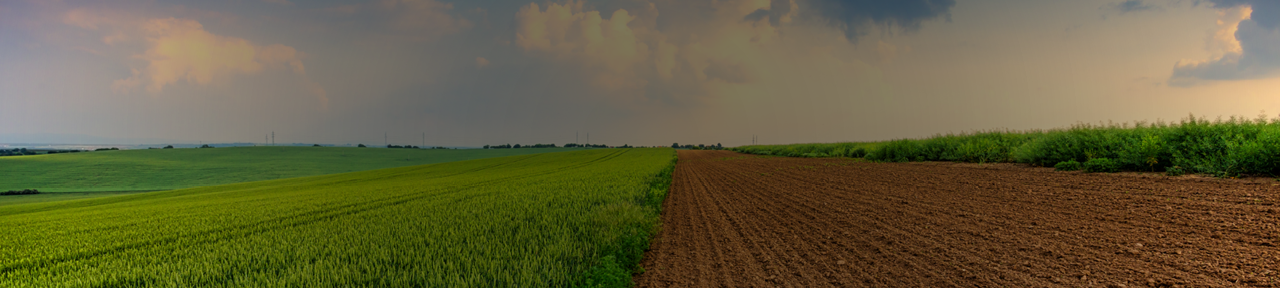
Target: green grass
{"points": [[164, 169], [578, 218], [1223, 148], [60, 196]]}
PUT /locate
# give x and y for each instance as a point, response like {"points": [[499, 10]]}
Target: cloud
{"points": [[112, 23], [181, 50], [280, 2], [854, 17], [778, 12], [568, 32], [727, 45], [1245, 46], [426, 18], [1132, 6], [481, 62], [1266, 13]]}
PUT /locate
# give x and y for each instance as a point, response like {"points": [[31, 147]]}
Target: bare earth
{"points": [[748, 221]]}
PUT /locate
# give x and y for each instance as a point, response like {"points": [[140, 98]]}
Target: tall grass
{"points": [[1223, 147]]}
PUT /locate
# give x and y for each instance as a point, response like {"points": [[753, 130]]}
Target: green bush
{"points": [[1069, 165], [1174, 171], [897, 151], [1101, 165], [858, 153]]}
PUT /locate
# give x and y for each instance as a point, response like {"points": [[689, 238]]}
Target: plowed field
{"points": [[750, 221]]}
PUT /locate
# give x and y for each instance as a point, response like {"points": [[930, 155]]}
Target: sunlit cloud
{"points": [[568, 32], [181, 50], [1246, 45]]}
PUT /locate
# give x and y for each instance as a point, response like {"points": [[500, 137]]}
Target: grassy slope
{"points": [[543, 220], [61, 196], [163, 169]]}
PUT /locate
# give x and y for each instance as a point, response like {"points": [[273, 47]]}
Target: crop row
{"points": [[554, 219], [1224, 148]]}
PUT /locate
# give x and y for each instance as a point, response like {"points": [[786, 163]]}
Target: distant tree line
{"points": [[509, 146], [24, 151], [16, 152], [410, 147], [697, 147], [106, 149], [576, 145], [569, 145], [20, 192]]}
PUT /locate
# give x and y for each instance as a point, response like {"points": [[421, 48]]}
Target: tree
{"points": [[168, 147], [718, 146], [360, 146], [315, 145], [675, 145]]}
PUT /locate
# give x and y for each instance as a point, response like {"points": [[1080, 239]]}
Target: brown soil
{"points": [[741, 220]]}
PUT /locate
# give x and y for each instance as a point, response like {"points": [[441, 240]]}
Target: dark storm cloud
{"points": [[853, 16], [1265, 12], [1131, 6], [777, 8], [1259, 56]]}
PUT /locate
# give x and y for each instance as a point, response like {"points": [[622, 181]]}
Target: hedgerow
{"points": [[1225, 148]]}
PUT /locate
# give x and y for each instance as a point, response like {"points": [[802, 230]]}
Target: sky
{"points": [[637, 72]]}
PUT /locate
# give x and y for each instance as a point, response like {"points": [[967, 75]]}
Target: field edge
{"points": [[618, 267]]}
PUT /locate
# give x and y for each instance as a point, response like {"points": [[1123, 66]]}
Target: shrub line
{"points": [[1223, 148]]}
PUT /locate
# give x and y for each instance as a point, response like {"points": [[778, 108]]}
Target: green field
{"points": [[1223, 148], [164, 169], [541, 220], [6, 200]]}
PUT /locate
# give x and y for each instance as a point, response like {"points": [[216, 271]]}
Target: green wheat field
{"points": [[559, 219]]}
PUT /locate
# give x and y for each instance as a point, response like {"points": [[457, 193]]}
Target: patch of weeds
{"points": [[608, 274], [1069, 165], [1101, 165], [1174, 171]]}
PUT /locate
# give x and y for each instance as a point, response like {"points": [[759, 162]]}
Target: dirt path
{"points": [[748, 221]]}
